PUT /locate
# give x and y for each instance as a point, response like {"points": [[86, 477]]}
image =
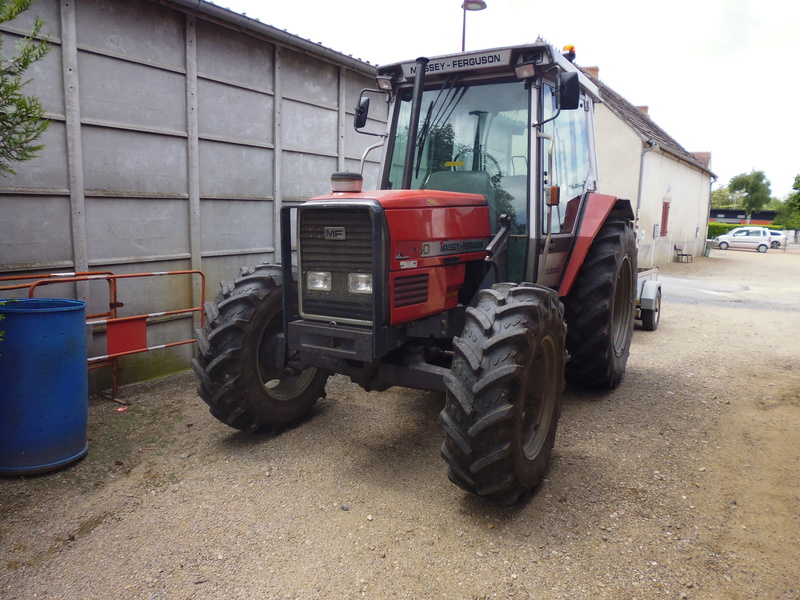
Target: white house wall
{"points": [[686, 189], [174, 140], [665, 179]]}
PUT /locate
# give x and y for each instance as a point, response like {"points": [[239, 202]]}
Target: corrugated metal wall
{"points": [[175, 137]]}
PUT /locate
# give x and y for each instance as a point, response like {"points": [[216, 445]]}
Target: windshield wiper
{"points": [[446, 109]]}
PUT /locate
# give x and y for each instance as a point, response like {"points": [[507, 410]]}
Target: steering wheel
{"points": [[486, 160]]}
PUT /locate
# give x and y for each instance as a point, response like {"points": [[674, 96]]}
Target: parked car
{"points": [[754, 238], [776, 238]]}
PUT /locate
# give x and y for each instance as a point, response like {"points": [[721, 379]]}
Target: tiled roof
{"points": [[644, 126]]}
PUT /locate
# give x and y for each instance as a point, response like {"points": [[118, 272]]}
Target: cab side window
{"points": [[571, 167]]}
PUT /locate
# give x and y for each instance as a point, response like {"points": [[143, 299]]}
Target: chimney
{"points": [[593, 72], [644, 109]]}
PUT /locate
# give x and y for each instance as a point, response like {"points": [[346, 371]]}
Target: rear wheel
{"points": [[762, 248], [240, 361], [504, 392], [600, 308]]}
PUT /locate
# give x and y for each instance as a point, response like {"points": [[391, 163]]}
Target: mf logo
{"points": [[335, 233]]}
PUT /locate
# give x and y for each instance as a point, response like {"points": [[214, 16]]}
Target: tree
{"points": [[723, 198], [755, 187], [21, 117], [789, 214]]}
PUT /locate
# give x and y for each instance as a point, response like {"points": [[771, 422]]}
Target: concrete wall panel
{"points": [[133, 163], [119, 92], [48, 11], [134, 29], [135, 228], [234, 226], [40, 77], [232, 170], [242, 60], [305, 175], [34, 229], [47, 172], [309, 128], [310, 80], [220, 110]]}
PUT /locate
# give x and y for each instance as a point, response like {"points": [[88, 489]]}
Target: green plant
{"points": [[715, 229], [21, 117], [754, 190]]}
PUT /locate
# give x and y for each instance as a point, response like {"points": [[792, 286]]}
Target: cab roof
{"points": [[490, 62]]}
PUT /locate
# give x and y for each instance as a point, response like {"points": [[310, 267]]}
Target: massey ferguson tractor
{"points": [[487, 266]]}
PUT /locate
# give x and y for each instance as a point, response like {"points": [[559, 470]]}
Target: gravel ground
{"points": [[681, 483]]}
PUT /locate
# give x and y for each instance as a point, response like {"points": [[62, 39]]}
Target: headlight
{"points": [[319, 281], [359, 283]]}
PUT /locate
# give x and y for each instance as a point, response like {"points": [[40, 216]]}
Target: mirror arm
{"points": [[370, 149]]}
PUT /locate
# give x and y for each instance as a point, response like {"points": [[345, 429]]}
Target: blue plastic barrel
{"points": [[44, 406]]}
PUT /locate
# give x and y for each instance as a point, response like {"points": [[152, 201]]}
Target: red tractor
{"points": [[486, 266]]}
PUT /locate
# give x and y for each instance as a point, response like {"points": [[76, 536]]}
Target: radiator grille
{"points": [[353, 254]]}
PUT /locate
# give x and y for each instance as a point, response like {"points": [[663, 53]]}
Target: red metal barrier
{"points": [[124, 335]]}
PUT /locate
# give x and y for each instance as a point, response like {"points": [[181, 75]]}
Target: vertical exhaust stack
{"points": [[346, 181]]}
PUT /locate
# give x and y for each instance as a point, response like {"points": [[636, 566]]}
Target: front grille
{"points": [[353, 254], [412, 289]]}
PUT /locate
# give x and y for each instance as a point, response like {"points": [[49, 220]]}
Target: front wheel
{"points": [[239, 366], [762, 248], [723, 245], [504, 392]]}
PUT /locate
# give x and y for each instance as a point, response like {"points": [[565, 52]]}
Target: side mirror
{"points": [[362, 110], [569, 91]]}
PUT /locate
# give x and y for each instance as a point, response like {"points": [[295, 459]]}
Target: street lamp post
{"points": [[469, 5]]}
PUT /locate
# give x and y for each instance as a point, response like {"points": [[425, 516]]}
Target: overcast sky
{"points": [[718, 75]]}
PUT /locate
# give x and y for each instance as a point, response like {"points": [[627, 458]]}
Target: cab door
{"points": [[566, 159]]}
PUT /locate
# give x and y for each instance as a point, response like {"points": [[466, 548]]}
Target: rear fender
{"points": [[597, 209]]}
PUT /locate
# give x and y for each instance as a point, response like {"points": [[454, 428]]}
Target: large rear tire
{"points": [[239, 366], [600, 308], [504, 392]]}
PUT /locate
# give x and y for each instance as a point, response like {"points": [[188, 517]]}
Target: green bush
{"points": [[715, 229]]}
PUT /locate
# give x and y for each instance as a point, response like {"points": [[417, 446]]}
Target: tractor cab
{"points": [[513, 125]]}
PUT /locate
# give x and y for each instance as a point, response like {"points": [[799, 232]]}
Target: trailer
{"points": [[648, 298]]}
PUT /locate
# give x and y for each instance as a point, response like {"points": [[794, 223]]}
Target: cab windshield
{"points": [[470, 139]]}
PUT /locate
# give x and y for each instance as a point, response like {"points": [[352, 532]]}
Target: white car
{"points": [[753, 238], [777, 238]]}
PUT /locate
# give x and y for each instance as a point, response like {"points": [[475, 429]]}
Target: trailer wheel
{"points": [[239, 365], [504, 392], [651, 316], [600, 308]]}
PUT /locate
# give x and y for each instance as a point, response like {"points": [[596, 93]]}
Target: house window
{"points": [[664, 218]]}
